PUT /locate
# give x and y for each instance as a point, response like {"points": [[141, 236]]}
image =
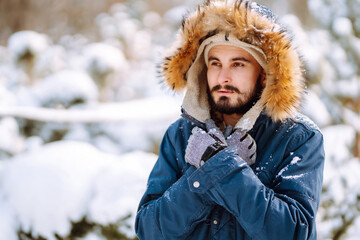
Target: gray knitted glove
{"points": [[245, 144], [215, 132], [198, 142], [203, 145]]}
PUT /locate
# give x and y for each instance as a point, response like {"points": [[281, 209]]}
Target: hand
{"points": [[203, 145], [215, 132], [245, 144]]}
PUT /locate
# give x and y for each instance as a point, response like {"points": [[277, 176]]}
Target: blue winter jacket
{"points": [[276, 198]]}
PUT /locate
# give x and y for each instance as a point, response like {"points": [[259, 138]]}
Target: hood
{"points": [[184, 68]]}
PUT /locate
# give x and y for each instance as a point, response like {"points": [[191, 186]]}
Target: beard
{"points": [[241, 106]]}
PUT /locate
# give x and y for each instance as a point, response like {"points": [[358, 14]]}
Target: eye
{"points": [[238, 64], [215, 63]]}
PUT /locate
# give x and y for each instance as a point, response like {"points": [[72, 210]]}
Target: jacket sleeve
{"points": [[169, 209], [285, 211]]}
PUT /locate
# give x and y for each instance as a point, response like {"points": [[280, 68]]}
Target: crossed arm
{"points": [[175, 202]]}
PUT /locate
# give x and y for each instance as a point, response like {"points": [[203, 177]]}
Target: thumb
{"points": [[228, 131], [210, 124]]}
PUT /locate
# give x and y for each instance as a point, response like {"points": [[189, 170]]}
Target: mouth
{"points": [[225, 92]]}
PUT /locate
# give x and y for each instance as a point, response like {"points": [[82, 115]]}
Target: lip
{"points": [[225, 92]]}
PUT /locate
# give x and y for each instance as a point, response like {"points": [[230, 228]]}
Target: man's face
{"points": [[234, 78]]}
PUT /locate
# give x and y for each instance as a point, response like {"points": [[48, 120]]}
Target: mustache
{"points": [[226, 87]]}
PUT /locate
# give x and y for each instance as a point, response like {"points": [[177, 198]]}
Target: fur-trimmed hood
{"points": [[250, 23]]}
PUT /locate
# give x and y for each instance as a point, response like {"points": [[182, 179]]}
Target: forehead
{"points": [[229, 51]]}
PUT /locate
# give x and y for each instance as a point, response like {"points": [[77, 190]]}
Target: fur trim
{"points": [[251, 24]]}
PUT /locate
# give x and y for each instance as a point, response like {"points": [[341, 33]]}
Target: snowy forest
{"points": [[83, 110]]}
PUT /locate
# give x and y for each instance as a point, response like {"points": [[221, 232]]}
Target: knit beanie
{"points": [[230, 40]]}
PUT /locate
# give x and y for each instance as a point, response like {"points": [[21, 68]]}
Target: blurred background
{"points": [[83, 110]]}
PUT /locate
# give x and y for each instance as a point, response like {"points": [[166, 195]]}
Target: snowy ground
{"points": [[45, 189]]}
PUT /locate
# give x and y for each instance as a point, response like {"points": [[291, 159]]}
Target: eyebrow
{"points": [[234, 59], [241, 59]]}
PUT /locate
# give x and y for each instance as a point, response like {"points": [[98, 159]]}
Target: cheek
{"points": [[245, 82], [210, 78]]}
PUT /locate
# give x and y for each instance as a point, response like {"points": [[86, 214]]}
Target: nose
{"points": [[224, 76]]}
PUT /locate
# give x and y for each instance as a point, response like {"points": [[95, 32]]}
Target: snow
{"points": [[103, 58], [315, 109], [11, 142], [342, 26], [7, 98], [152, 19], [338, 54], [78, 180], [175, 15], [324, 11], [12, 78], [119, 186], [7, 220], [301, 118], [294, 176], [295, 160], [348, 88], [337, 142], [92, 236], [27, 41], [64, 88], [140, 45], [352, 119], [353, 232], [341, 188], [354, 44], [4, 55], [50, 61]]}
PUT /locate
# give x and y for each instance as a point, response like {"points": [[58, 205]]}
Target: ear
{"points": [[263, 78]]}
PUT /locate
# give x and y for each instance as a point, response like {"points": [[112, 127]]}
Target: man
{"points": [[240, 163]]}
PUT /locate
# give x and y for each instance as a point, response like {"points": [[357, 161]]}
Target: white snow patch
{"points": [[152, 19], [353, 232], [352, 119], [140, 45], [52, 60], [175, 15], [348, 88], [27, 41], [342, 26], [338, 54], [10, 142], [64, 181], [294, 176], [103, 58], [337, 142], [7, 98], [65, 88], [306, 120], [8, 223], [295, 160], [316, 109], [118, 188], [92, 236]]}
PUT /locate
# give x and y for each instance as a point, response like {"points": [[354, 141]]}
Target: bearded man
{"points": [[241, 162]]}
